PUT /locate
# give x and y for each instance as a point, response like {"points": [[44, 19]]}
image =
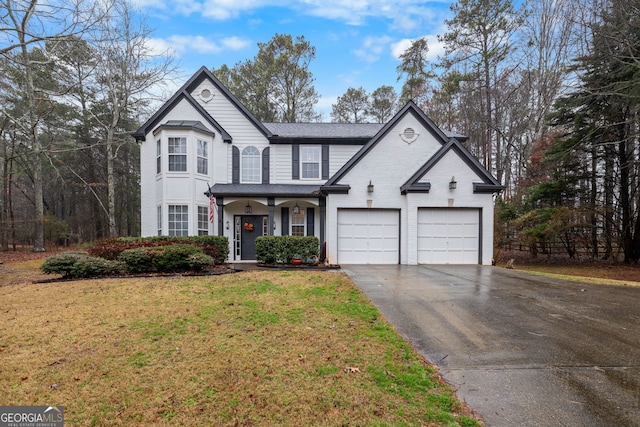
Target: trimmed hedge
{"points": [[280, 249], [165, 259], [216, 247], [79, 265]]}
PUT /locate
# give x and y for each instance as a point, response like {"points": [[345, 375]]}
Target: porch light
{"points": [[248, 209], [296, 209], [453, 184], [370, 187], [227, 225]]}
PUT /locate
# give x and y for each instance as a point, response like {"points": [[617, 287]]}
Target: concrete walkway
{"points": [[521, 350]]}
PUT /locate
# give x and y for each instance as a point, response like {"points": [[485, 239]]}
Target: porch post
{"points": [[271, 203], [220, 203], [323, 218]]}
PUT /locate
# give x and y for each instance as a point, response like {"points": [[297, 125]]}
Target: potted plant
{"points": [[296, 259]]}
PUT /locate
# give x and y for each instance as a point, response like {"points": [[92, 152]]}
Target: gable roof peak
{"points": [[184, 92], [409, 107]]}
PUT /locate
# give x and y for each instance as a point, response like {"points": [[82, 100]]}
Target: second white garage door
{"points": [[368, 236], [448, 236]]}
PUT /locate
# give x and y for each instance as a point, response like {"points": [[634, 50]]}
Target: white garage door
{"points": [[368, 236], [448, 236]]}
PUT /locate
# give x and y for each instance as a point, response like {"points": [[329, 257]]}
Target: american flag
{"points": [[212, 206]]}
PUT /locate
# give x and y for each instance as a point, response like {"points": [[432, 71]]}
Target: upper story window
{"points": [[178, 154], [158, 156], [309, 162], [203, 157], [250, 165]]}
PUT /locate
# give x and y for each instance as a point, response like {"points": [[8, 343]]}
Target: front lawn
{"points": [[253, 348]]}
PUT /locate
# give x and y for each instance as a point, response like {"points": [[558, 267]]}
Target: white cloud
{"points": [[235, 43], [404, 15], [160, 47], [227, 9], [436, 48], [372, 48], [197, 44]]}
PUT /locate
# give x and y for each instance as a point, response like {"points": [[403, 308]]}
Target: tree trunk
{"points": [[111, 183], [38, 245]]}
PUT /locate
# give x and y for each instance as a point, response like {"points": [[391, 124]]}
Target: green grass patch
{"points": [[252, 348]]}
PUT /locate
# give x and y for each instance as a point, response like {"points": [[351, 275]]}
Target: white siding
{"points": [[339, 155], [389, 165], [230, 118]]}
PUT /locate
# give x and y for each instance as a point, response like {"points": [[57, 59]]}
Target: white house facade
{"points": [[402, 192]]}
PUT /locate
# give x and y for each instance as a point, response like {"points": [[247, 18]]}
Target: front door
{"points": [[250, 228]]}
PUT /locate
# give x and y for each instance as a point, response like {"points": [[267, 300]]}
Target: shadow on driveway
{"points": [[521, 350]]}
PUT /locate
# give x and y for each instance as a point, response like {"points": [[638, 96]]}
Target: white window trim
{"points": [[184, 223], [302, 162], [158, 156], [203, 231], [303, 224], [243, 178], [185, 154], [198, 156]]}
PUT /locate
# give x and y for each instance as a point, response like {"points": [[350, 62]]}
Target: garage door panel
{"points": [[368, 236], [448, 236]]}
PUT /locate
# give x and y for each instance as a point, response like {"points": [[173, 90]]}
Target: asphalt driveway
{"points": [[521, 350]]}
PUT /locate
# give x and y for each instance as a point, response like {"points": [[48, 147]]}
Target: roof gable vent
{"points": [[409, 135], [206, 95]]}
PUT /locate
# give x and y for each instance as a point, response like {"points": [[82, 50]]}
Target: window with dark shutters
{"points": [[325, 161], [265, 166], [235, 165], [310, 221], [295, 161], [284, 213]]}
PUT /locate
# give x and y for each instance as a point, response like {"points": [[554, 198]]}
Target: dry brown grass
{"points": [[252, 348]]}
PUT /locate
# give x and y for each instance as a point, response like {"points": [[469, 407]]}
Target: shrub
{"points": [[198, 262], [166, 259], [61, 263], [280, 249], [79, 265], [95, 267], [139, 260], [215, 246], [175, 258]]}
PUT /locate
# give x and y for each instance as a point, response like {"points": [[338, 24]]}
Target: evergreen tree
{"points": [[351, 107]]}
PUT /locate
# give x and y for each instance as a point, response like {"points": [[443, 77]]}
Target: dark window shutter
{"points": [[235, 165], [295, 161], [325, 161], [310, 221], [265, 166], [284, 213]]}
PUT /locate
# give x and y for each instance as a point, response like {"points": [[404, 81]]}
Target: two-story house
{"points": [[401, 192]]}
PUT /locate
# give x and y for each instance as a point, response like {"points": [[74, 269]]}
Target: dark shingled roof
{"points": [[333, 130], [265, 190], [324, 130], [184, 124]]}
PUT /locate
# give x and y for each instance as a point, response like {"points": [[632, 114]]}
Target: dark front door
{"points": [[250, 228]]}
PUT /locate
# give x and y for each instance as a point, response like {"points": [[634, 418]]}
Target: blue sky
{"points": [[357, 41]]}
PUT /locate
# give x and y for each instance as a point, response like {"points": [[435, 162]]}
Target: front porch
{"points": [[245, 212]]}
